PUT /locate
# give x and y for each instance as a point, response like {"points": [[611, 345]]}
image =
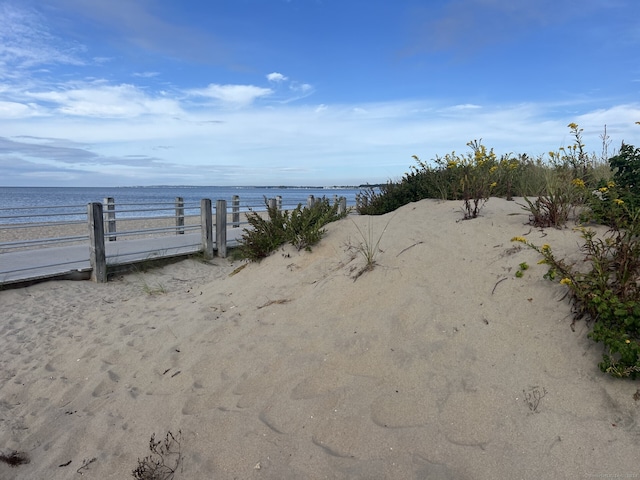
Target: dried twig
{"points": [[410, 246], [164, 460], [499, 281], [274, 302], [85, 465]]}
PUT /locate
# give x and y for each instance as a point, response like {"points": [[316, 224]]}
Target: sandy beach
{"points": [[437, 364]]}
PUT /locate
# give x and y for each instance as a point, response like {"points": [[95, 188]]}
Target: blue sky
{"points": [[302, 92]]}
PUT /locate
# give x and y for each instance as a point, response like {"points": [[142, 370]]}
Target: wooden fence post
{"points": [[206, 223], [279, 202], [179, 216], [110, 217], [310, 201], [221, 228], [235, 209], [342, 209], [97, 255], [272, 203]]}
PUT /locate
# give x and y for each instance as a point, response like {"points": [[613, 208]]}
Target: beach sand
{"points": [[430, 366]]}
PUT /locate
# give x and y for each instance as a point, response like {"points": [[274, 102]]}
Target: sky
{"points": [[303, 92]]}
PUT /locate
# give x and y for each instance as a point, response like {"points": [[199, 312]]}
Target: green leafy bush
{"points": [[611, 200], [473, 174], [626, 168], [606, 207], [302, 227], [265, 234]]}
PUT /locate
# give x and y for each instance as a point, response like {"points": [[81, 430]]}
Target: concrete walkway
{"points": [[73, 261]]}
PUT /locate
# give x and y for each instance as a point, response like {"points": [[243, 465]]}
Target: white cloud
{"points": [[276, 77], [105, 101], [301, 87], [14, 110], [465, 106], [232, 95], [25, 41], [146, 74]]}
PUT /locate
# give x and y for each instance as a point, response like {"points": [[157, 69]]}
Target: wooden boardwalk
{"points": [[73, 261]]}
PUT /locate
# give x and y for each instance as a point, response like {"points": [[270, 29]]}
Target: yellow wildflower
{"points": [[542, 262], [611, 184], [565, 281], [493, 169], [493, 185], [573, 126], [452, 164], [545, 247], [603, 189], [619, 202], [578, 182], [627, 341], [519, 239]]}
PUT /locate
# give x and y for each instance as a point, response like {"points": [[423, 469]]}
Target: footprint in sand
{"points": [[398, 410], [469, 418], [106, 386]]}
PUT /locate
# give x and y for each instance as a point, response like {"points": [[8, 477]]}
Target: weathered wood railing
{"points": [[104, 218]]}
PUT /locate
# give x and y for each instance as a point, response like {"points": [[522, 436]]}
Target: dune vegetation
{"points": [[566, 185], [570, 184]]}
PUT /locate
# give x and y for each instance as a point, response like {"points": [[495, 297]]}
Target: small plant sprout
{"points": [[521, 268], [369, 246]]}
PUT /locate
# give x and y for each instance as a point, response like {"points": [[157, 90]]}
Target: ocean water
{"points": [[61, 204]]}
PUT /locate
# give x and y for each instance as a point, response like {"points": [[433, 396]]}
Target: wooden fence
{"points": [[214, 230], [98, 219]]}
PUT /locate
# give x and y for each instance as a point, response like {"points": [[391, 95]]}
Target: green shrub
{"points": [[265, 234], [567, 181], [453, 177], [473, 177], [476, 178], [302, 227], [606, 207], [386, 198], [561, 197], [626, 168]]}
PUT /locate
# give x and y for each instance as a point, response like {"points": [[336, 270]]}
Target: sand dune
{"points": [[430, 366]]}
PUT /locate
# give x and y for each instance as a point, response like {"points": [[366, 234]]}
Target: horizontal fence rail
{"points": [[113, 234]]}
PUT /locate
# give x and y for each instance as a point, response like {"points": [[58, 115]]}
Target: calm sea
{"points": [[38, 204]]}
